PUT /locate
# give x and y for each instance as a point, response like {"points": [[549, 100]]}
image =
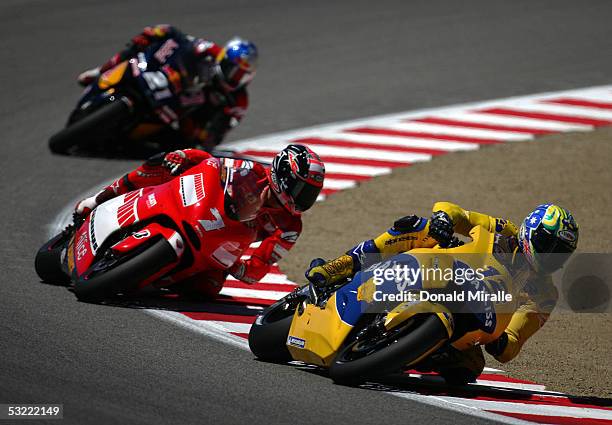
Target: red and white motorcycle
{"points": [[160, 234]]}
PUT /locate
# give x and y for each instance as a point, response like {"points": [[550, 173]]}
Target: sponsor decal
{"points": [[166, 50], [227, 253], [192, 189], [290, 237], [278, 252], [142, 234], [81, 246], [151, 201], [359, 252], [92, 233], [127, 214], [567, 236], [400, 239], [296, 342]]}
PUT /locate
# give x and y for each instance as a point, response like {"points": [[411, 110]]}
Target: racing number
{"points": [[215, 224]]}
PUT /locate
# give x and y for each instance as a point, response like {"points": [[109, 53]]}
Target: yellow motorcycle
{"points": [[394, 314]]}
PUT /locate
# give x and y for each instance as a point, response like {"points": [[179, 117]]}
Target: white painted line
{"points": [[566, 110], [449, 130], [243, 328], [482, 118], [492, 370], [533, 409], [253, 293], [200, 326], [380, 154], [510, 385], [449, 404], [382, 120], [272, 278], [407, 142], [602, 95], [339, 184]]}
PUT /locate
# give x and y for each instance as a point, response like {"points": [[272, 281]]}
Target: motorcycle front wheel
{"points": [[381, 353], [48, 261], [268, 335], [95, 127], [108, 276]]}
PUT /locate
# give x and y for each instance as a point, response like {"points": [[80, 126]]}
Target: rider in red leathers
{"points": [[211, 79], [290, 186]]}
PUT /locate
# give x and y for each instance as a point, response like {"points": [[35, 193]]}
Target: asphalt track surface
{"points": [[321, 61]]}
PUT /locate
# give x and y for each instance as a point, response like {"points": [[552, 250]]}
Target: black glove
{"points": [[407, 224], [498, 346], [316, 274], [441, 228]]}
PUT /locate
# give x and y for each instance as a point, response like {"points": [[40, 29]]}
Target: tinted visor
{"points": [[242, 194], [304, 195], [551, 251], [233, 75]]}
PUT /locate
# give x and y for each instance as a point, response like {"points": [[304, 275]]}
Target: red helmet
{"points": [[296, 177]]}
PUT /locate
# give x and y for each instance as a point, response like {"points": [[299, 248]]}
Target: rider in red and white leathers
{"points": [[291, 186], [211, 79]]}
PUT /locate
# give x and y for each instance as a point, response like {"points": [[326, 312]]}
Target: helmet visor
{"points": [[242, 194], [235, 76], [304, 195], [551, 251]]}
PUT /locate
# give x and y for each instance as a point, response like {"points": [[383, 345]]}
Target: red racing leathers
{"points": [[207, 110], [277, 229]]}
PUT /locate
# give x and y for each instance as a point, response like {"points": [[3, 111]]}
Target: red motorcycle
{"points": [[158, 235]]}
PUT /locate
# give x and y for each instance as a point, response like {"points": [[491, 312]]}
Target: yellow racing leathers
{"points": [[538, 296]]}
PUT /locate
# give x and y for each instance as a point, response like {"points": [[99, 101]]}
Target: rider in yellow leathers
{"points": [[549, 229]]}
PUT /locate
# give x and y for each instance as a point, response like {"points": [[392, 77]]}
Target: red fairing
{"points": [[276, 228], [146, 234], [194, 202]]}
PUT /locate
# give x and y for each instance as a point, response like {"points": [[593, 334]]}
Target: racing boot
{"points": [[456, 367], [323, 274]]}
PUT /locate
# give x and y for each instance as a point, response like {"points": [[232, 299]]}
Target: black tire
{"points": [[405, 345], [92, 128], [268, 335], [48, 262], [125, 275]]}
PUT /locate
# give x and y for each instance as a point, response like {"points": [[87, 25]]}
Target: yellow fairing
{"points": [[317, 334], [321, 329], [112, 76], [405, 311]]}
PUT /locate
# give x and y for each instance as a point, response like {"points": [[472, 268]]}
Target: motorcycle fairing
{"points": [[113, 76], [321, 331], [220, 240]]}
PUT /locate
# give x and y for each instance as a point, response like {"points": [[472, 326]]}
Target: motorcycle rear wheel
{"points": [[388, 352], [123, 275], [94, 127], [268, 335]]}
